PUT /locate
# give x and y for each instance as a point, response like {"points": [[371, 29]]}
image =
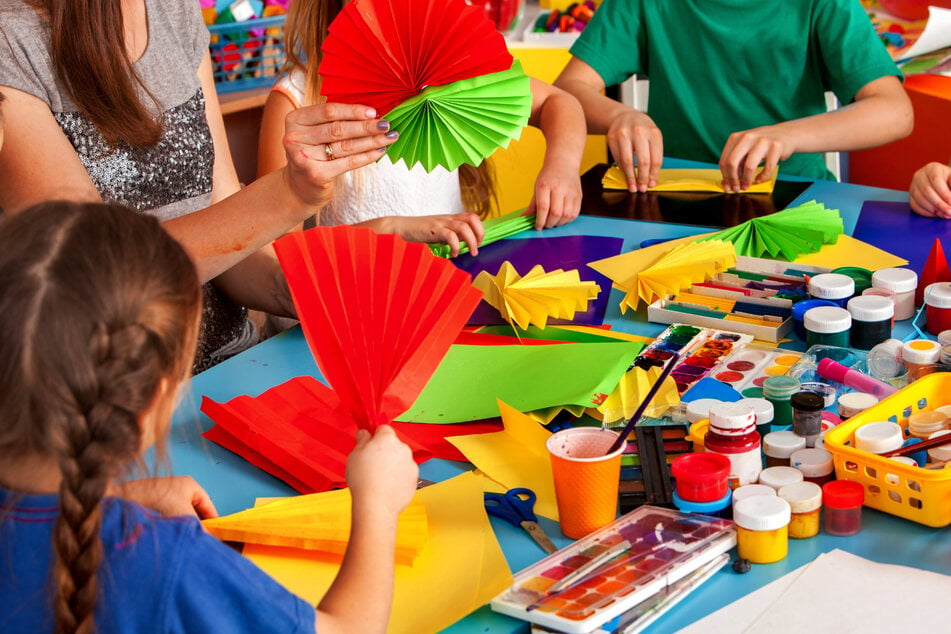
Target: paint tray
{"points": [[666, 545]]}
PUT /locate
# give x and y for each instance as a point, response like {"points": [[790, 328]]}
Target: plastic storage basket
{"points": [[920, 495], [247, 54]]}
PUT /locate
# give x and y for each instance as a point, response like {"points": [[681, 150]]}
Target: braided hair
{"points": [[100, 309]]}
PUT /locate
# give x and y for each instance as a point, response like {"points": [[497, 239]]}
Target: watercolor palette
{"points": [[750, 366], [676, 339], [665, 545], [701, 349]]}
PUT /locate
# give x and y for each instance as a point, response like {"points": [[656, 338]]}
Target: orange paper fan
{"points": [[381, 52], [379, 314]]}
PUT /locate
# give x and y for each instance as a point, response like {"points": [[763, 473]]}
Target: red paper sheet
{"points": [[381, 52]]}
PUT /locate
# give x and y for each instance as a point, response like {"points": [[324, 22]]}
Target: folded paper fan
{"points": [[378, 313], [622, 403], [677, 269], [495, 228], [463, 122], [320, 521], [380, 53], [537, 296], [684, 180], [786, 234]]}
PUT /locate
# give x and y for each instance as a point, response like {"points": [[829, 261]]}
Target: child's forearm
{"points": [[562, 121]]}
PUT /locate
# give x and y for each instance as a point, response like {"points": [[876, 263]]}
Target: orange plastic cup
{"points": [[586, 480]]}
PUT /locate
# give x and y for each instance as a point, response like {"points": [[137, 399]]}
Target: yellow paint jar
{"points": [[805, 502], [762, 528]]}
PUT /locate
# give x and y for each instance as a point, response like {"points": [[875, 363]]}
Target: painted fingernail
{"points": [[383, 124], [371, 113], [392, 134], [381, 150]]}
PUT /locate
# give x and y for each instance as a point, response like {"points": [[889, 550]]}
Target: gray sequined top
{"points": [[171, 179]]}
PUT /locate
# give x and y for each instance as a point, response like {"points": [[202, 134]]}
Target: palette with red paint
{"points": [[717, 345], [665, 545], [748, 367]]}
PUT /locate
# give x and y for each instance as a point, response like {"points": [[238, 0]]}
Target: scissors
{"points": [[515, 506]]}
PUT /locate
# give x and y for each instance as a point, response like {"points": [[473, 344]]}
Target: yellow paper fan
{"points": [[677, 269], [621, 404], [685, 180], [319, 521], [536, 297]]}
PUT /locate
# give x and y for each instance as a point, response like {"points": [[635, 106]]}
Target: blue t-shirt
{"points": [[158, 574]]}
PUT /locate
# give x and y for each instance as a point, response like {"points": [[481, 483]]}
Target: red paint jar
{"points": [[842, 501], [701, 477], [938, 307], [732, 433]]}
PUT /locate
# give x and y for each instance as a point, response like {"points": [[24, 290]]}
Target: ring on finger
{"points": [[329, 152]]}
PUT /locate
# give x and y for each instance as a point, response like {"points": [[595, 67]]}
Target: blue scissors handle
{"points": [[514, 506]]}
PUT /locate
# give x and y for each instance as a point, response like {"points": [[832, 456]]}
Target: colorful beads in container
{"points": [[571, 20]]}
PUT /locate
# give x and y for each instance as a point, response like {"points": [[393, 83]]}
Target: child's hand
{"points": [[745, 151], [451, 229], [557, 198], [635, 134], [172, 495], [381, 473], [930, 191]]}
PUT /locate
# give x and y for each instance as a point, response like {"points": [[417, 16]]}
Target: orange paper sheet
{"points": [[460, 569]]}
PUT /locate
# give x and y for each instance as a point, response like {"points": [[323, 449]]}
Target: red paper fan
{"points": [[379, 314], [381, 52]]}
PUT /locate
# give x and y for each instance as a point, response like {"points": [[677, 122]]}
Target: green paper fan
{"points": [[495, 229], [462, 122]]}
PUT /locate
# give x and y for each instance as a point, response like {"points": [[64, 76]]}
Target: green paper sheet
{"points": [[495, 229], [470, 379], [462, 122], [551, 333]]}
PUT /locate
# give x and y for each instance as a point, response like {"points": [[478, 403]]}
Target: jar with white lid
{"points": [[920, 357], [871, 320], [732, 433], [778, 477], [827, 326], [937, 298], [805, 503], [764, 413], [779, 446], [926, 422], [699, 409], [815, 464], [750, 490], [834, 287], [852, 403], [903, 282], [879, 437], [762, 528], [940, 455]]}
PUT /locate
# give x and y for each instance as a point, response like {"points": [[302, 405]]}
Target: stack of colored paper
{"points": [[685, 180]]}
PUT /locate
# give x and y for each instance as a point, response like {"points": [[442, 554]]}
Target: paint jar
{"points": [[842, 501], [834, 287], [800, 308], [944, 357], [944, 338], [879, 437], [700, 408], [717, 508], [807, 415], [815, 464], [778, 477], [938, 307], [871, 321], [750, 490], [777, 390], [940, 455], [920, 356], [884, 361], [903, 282], [922, 424], [762, 528], [861, 278], [697, 433], [824, 390], [701, 477], [805, 502], [852, 403], [732, 434], [827, 326], [779, 446], [887, 293], [764, 414]]}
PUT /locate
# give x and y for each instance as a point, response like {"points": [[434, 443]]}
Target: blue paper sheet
{"points": [[894, 227]]}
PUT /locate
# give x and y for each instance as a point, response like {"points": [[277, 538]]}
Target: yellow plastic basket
{"points": [[920, 495]]}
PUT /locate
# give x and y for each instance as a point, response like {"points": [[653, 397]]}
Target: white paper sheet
{"points": [[937, 34]]}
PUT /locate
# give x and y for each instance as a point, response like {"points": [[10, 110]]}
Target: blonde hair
{"points": [[305, 29], [99, 314]]}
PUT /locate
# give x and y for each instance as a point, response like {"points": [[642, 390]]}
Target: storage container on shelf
{"points": [[247, 54]]}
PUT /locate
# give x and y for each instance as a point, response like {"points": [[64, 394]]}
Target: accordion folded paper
{"points": [[678, 268], [537, 296], [785, 235], [495, 229], [320, 521], [621, 404], [684, 180], [378, 313], [380, 53]]}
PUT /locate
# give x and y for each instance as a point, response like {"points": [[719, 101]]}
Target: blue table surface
{"points": [[234, 484]]}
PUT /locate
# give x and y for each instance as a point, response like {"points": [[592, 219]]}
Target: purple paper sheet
{"points": [[568, 252], [895, 228]]}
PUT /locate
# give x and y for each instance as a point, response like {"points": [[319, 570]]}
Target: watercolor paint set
{"points": [[747, 369], [641, 553]]}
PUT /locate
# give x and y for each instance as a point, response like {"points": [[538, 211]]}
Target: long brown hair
{"points": [[305, 29], [99, 315], [88, 49]]}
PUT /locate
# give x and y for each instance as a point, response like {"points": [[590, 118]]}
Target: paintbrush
{"points": [[622, 437], [937, 441]]}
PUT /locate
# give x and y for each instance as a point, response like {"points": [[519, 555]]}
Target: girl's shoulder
{"points": [[293, 86]]}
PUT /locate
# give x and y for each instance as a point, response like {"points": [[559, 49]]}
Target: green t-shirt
{"points": [[721, 66]]}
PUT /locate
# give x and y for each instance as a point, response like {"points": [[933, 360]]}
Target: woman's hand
{"points": [[171, 495]]}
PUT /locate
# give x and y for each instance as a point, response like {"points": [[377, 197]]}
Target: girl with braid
{"points": [[94, 342]]}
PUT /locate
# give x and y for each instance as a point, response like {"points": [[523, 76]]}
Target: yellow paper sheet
{"points": [[460, 569], [319, 521], [514, 457], [849, 251], [684, 180], [621, 404], [537, 296]]}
